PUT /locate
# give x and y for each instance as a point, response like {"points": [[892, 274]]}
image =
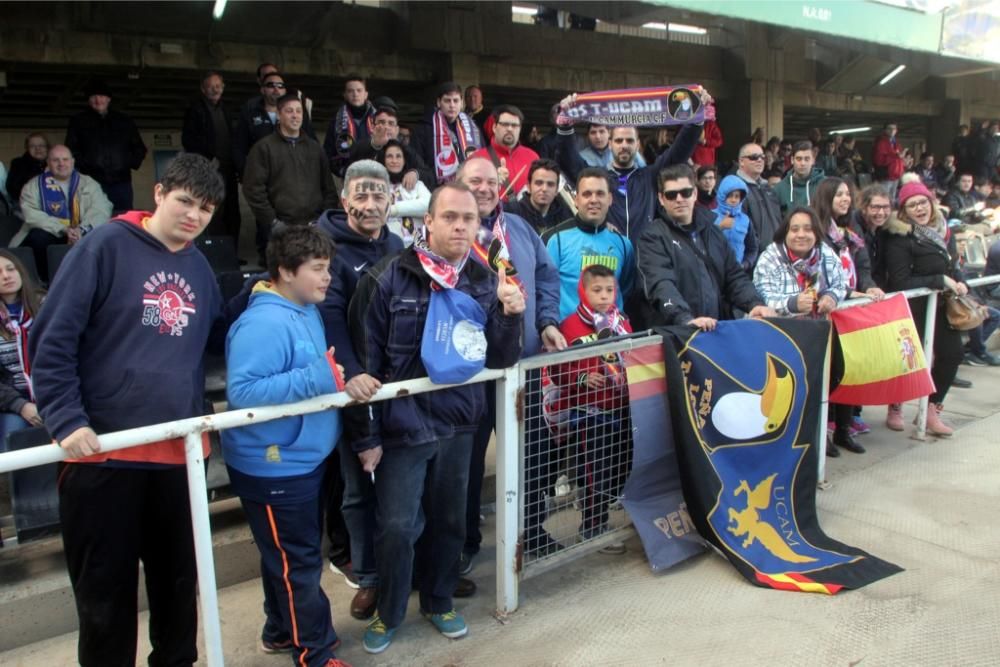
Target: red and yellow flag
{"points": [[883, 357]]}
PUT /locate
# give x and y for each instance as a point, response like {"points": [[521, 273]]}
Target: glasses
{"points": [[685, 193], [274, 84], [754, 157], [919, 203], [883, 207], [509, 126]]}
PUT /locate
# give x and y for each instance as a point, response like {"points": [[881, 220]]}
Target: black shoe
{"points": [[543, 545], [972, 359], [988, 359], [831, 449], [465, 563], [959, 383], [845, 441], [465, 588]]}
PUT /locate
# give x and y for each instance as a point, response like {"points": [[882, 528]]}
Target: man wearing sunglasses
{"points": [[761, 204], [259, 118], [687, 271]]}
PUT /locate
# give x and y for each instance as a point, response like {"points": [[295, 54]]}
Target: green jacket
{"points": [[793, 192]]}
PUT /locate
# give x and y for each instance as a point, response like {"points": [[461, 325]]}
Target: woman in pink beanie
{"points": [[920, 252]]}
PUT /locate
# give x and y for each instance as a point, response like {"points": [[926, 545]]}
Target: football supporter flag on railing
{"points": [[883, 358], [653, 497], [745, 404]]}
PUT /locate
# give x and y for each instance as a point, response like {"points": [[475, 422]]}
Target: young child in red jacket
{"points": [[593, 398]]}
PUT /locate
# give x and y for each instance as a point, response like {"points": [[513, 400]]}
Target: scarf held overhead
{"points": [[641, 107]]}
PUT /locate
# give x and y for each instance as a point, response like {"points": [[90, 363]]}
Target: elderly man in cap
{"points": [[106, 145]]}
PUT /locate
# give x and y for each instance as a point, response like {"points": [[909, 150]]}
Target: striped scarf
{"points": [[347, 127], [446, 158], [444, 274], [54, 201]]}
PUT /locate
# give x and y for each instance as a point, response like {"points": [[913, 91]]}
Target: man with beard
{"points": [[598, 153], [507, 241], [633, 203], [541, 206], [505, 152], [586, 240]]}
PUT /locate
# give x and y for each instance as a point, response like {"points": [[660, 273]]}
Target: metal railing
{"points": [[510, 385]]}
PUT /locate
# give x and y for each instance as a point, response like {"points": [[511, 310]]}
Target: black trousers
{"points": [[112, 518]]}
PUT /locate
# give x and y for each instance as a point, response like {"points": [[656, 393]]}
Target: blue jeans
{"points": [[420, 489], [10, 422], [982, 333], [358, 509]]}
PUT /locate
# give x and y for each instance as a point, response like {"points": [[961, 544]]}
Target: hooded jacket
{"points": [[387, 317], [120, 341], [740, 234], [793, 191], [689, 272], [912, 262], [276, 353], [633, 205]]}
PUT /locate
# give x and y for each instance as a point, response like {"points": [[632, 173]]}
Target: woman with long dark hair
{"points": [[406, 212], [20, 299], [834, 204]]}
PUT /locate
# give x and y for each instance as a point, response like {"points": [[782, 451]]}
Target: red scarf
{"points": [[605, 325], [446, 157], [443, 273]]}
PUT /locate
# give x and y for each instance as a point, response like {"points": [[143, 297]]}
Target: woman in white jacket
{"points": [[406, 213], [798, 274]]}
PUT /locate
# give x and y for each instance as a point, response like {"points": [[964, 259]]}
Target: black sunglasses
{"points": [[754, 157], [685, 193]]}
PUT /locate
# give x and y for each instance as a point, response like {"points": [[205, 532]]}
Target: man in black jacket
{"points": [[29, 165], [259, 118], [106, 145], [687, 270], [761, 204], [208, 131]]}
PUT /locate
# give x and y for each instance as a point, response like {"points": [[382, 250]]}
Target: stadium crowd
{"points": [[545, 239]]}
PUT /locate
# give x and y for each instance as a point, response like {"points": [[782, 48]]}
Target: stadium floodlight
{"points": [[851, 130], [521, 9], [891, 75], [683, 27], [219, 9]]}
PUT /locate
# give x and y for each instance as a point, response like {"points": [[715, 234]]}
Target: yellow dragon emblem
{"points": [[747, 522]]}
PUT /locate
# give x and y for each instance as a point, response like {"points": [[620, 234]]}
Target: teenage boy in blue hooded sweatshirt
{"points": [[734, 223], [119, 345], [276, 353]]}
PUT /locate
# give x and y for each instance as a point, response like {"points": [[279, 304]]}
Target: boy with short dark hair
{"points": [[593, 397], [276, 353], [118, 345]]}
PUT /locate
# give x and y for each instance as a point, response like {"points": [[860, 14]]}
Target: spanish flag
{"points": [[883, 357]]}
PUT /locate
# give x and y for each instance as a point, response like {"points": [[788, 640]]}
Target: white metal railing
{"points": [[510, 458]]}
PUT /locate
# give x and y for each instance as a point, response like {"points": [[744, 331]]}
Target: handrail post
{"points": [[508, 495], [200, 524], [930, 321]]}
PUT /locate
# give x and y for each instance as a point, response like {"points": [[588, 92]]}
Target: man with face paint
{"points": [[287, 178], [633, 204], [362, 240]]}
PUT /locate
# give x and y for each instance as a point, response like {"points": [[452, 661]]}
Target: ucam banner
{"points": [[653, 497], [745, 410], [641, 107]]}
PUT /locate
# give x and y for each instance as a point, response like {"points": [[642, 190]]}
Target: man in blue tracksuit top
{"points": [[587, 240], [634, 204], [276, 353]]}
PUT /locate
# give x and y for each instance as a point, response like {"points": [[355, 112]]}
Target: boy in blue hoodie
{"points": [[276, 353]]}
